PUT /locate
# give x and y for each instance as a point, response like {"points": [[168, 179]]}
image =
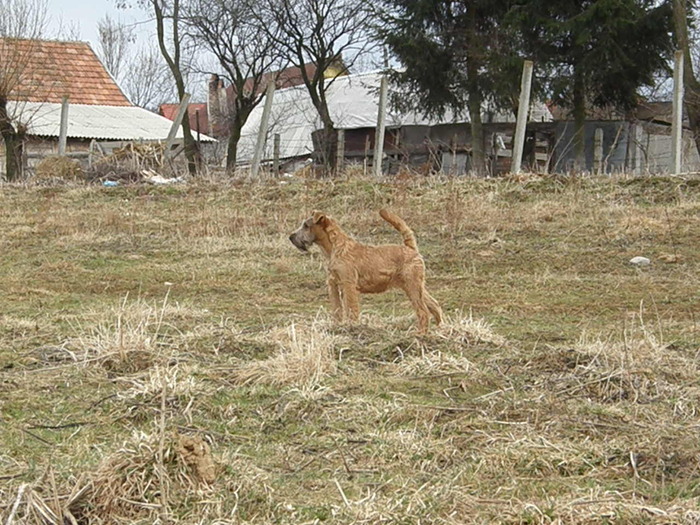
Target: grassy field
{"points": [[166, 356]]}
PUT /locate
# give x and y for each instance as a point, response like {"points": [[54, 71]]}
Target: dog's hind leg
{"points": [[433, 306], [419, 305]]}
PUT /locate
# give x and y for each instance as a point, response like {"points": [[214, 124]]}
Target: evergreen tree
{"points": [[454, 55], [599, 52]]}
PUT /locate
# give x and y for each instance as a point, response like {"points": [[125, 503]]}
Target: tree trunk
{"points": [[329, 139], [330, 147], [14, 143], [477, 132], [474, 94], [13, 156], [691, 84], [191, 149], [579, 110], [234, 137]]}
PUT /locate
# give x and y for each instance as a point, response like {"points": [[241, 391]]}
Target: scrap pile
{"points": [[133, 163]]}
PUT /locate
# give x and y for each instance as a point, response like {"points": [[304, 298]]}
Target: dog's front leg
{"points": [[350, 297], [334, 295]]}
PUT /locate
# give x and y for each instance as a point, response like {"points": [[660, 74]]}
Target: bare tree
{"points": [[142, 74], [147, 80], [244, 50], [114, 39], [168, 18], [327, 33], [22, 22]]}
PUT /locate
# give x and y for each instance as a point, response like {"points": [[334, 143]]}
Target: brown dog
{"points": [[356, 268]]}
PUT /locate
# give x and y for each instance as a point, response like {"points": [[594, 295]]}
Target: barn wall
{"points": [[615, 138], [36, 148], [631, 147]]}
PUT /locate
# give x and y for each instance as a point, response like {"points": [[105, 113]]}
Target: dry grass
{"points": [[127, 338], [305, 356], [163, 358], [61, 168]]}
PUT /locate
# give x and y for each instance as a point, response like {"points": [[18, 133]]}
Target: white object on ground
{"points": [[156, 178], [640, 261]]}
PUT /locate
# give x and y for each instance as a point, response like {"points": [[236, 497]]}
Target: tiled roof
{"points": [[55, 69], [285, 78], [169, 111]]}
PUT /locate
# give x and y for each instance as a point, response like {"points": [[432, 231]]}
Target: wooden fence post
{"points": [[276, 155], [176, 124]]}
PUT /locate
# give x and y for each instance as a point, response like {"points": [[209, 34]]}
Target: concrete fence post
{"points": [[63, 130], [521, 122], [381, 121], [340, 159], [677, 122], [262, 132]]}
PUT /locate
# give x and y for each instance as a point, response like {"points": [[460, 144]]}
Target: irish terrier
{"points": [[355, 268]]}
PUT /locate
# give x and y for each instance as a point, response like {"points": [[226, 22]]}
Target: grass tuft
{"points": [[305, 356]]}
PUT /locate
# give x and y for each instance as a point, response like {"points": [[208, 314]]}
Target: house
{"points": [[220, 95], [98, 110], [196, 112], [635, 142]]}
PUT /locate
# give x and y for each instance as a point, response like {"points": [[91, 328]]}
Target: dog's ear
{"points": [[319, 218]]}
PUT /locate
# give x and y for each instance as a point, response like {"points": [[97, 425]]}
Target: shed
{"points": [[98, 109], [353, 100], [636, 142]]}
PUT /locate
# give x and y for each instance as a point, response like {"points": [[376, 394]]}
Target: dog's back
{"points": [[409, 239]]}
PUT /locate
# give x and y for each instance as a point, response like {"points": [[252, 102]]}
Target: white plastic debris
{"points": [[156, 178], [640, 261], [159, 179]]}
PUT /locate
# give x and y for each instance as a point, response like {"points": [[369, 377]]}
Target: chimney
{"points": [[214, 105], [223, 103]]}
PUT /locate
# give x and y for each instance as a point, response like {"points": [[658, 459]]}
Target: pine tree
{"points": [[454, 55], [598, 52]]}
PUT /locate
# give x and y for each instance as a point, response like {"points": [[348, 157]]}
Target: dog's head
{"points": [[310, 231]]}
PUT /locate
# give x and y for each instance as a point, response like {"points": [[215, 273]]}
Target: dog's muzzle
{"points": [[298, 243]]}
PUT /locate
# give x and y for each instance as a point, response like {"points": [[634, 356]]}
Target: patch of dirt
{"points": [[196, 454]]}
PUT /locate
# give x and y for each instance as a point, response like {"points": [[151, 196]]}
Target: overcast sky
{"points": [[81, 17]]}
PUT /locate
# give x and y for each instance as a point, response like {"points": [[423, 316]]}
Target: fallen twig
{"points": [[15, 505]]}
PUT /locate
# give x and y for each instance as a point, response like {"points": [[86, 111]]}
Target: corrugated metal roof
{"points": [[94, 122], [353, 102]]}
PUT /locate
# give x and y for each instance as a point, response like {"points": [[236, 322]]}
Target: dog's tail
{"points": [[397, 222]]}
